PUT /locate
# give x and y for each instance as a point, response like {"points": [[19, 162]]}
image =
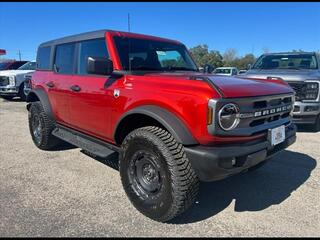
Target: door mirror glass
{"points": [[99, 66]]}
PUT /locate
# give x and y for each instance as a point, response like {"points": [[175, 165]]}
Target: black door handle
{"points": [[50, 84], [75, 88]]}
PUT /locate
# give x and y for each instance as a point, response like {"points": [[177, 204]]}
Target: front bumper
{"points": [[306, 112], [9, 90], [215, 163]]}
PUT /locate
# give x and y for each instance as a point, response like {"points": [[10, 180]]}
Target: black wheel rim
{"points": [[36, 128], [145, 174]]}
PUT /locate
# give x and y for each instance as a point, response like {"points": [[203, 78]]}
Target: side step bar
{"points": [[83, 141]]}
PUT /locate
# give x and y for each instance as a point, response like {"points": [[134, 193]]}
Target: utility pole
{"points": [[19, 53]]}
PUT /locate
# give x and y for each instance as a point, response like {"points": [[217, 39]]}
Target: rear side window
{"points": [[91, 48], [64, 59], [43, 58]]}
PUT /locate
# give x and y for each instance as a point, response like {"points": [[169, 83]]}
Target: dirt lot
{"points": [[68, 193]]}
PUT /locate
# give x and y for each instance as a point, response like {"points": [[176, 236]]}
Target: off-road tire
{"points": [[8, 98], [45, 139], [179, 182]]}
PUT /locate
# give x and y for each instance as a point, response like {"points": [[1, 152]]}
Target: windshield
{"points": [[222, 70], [153, 55], [286, 61], [28, 66], [4, 65]]}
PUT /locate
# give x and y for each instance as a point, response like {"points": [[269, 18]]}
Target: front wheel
{"points": [[156, 174], [41, 126]]}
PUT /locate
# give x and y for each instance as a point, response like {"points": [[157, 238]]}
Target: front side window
{"points": [[64, 59], [153, 55], [287, 61], [91, 48], [28, 66]]}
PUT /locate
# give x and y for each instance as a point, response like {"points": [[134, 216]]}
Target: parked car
{"points": [[142, 96], [12, 81], [226, 71], [301, 70], [11, 64]]}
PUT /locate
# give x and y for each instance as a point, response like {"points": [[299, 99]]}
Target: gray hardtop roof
{"points": [[76, 38], [88, 36]]}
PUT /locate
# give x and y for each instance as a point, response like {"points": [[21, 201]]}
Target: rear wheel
{"points": [[156, 174], [41, 126]]}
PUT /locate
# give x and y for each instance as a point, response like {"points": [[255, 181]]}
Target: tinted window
{"points": [[43, 58], [65, 58], [92, 48]]}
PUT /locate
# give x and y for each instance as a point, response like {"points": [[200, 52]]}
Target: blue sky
{"points": [[247, 27]]}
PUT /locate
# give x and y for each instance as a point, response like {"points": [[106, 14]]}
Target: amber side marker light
{"points": [[209, 116]]}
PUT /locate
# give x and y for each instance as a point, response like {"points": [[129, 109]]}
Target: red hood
{"points": [[232, 87]]}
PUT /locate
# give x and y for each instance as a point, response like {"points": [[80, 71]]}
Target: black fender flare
{"points": [[43, 97], [173, 124]]}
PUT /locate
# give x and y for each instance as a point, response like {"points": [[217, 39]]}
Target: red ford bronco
{"points": [[144, 97]]}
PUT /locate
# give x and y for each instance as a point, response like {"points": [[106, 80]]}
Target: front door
{"points": [[90, 101]]}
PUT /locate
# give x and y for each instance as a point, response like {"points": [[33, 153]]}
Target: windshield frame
{"points": [[286, 55], [190, 63]]}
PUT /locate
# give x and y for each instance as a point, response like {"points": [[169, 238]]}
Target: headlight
{"points": [[312, 90], [12, 81], [229, 116]]}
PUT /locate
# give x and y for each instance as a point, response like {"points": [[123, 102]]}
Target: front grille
{"points": [[300, 89], [257, 114], [272, 110], [4, 81]]}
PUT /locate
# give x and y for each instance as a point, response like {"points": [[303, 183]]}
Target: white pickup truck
{"points": [[12, 81]]}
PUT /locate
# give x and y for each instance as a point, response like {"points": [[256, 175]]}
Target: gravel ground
{"points": [[68, 193]]}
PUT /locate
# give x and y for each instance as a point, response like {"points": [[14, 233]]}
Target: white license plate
{"points": [[278, 135]]}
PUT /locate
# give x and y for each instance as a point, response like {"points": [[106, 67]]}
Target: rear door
{"points": [[90, 100], [60, 82]]}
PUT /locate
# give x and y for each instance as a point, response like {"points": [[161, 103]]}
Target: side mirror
{"points": [[249, 66], [99, 66], [208, 68]]}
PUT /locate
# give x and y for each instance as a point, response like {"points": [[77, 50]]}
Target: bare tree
{"points": [[230, 55]]}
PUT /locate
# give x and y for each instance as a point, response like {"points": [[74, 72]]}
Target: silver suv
{"points": [[301, 70]]}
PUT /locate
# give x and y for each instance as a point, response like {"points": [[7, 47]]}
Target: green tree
{"points": [[202, 56]]}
